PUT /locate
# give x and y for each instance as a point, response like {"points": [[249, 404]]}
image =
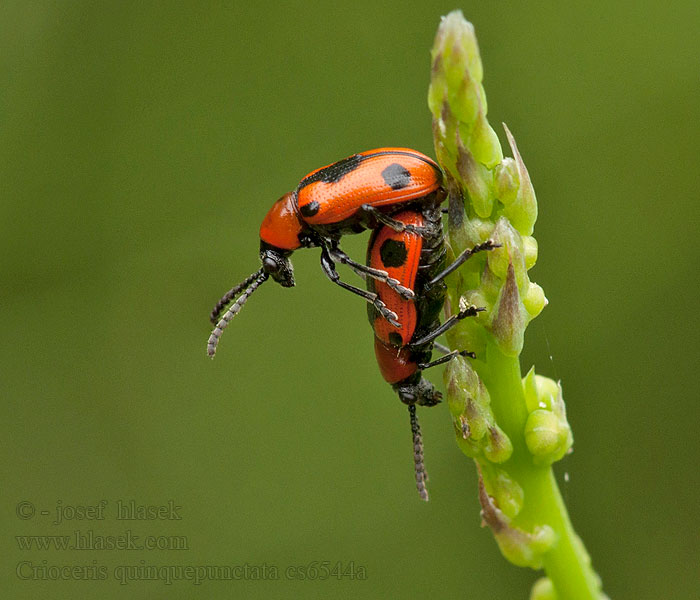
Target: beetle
{"points": [[359, 192], [417, 261]]}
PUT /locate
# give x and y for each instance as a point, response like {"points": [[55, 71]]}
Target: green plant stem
{"points": [[567, 563]]}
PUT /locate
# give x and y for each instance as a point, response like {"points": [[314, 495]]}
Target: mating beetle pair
{"points": [[345, 197], [397, 193]]}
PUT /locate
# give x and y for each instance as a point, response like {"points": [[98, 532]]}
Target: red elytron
{"points": [[349, 195]]}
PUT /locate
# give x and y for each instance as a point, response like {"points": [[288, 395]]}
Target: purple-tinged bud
{"points": [[510, 317]]}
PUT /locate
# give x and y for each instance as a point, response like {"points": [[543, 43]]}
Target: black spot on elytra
{"points": [[310, 209], [395, 339], [396, 176], [393, 253], [334, 172]]}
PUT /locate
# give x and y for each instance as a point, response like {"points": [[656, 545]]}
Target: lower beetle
{"points": [[417, 262]]}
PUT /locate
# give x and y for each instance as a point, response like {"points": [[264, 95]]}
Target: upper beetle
{"points": [[351, 195]]}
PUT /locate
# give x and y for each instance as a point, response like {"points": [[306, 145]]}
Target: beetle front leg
{"points": [[363, 270], [328, 267]]}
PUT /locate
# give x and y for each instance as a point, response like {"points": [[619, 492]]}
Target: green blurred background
{"points": [[142, 143]]}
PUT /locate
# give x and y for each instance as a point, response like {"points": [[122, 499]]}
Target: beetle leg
{"points": [[441, 348], [470, 311], [447, 358], [379, 275], [328, 267], [397, 226], [461, 259]]}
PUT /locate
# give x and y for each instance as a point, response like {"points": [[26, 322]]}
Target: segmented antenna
{"points": [[421, 473], [230, 295], [234, 309]]}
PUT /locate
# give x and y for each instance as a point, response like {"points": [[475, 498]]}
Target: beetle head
{"points": [[276, 263], [422, 393]]}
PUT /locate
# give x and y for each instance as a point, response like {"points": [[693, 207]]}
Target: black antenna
{"points": [[230, 295], [234, 309], [421, 473]]}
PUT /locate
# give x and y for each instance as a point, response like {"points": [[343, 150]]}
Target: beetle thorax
{"points": [[281, 226]]}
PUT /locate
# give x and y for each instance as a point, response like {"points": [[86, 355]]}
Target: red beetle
{"points": [[417, 262], [348, 196]]}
